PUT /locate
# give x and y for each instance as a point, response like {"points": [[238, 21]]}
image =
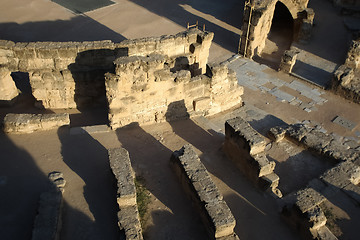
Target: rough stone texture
{"points": [[198, 184], [325, 234], [128, 215], [8, 89], [27, 123], [244, 146], [288, 60], [260, 20], [47, 224], [346, 79], [71, 74], [150, 89]]}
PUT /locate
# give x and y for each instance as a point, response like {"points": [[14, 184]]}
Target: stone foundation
{"points": [[303, 208], [199, 186], [245, 147], [27, 123], [128, 215]]}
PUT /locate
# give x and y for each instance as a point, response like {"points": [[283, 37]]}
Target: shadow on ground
{"points": [[89, 160]]}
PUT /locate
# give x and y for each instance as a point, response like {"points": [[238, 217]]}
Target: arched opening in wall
{"points": [[279, 38]]}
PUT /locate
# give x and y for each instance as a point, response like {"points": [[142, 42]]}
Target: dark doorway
{"points": [[22, 83], [279, 38]]}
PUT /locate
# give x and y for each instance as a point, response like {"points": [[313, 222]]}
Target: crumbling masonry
{"points": [[144, 77]]}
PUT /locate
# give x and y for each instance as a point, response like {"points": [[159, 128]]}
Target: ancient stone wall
{"points": [[200, 188], [128, 215], [150, 89], [346, 79], [257, 22], [71, 74], [245, 147], [303, 208]]}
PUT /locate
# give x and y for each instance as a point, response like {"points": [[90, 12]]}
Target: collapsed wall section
{"points": [[149, 90], [71, 74]]}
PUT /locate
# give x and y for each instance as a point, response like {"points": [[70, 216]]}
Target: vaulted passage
{"points": [[280, 36]]}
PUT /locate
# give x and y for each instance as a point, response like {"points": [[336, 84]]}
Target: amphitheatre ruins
{"points": [[134, 119]]}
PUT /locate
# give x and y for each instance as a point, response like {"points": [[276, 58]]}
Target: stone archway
{"points": [[280, 36], [258, 21]]}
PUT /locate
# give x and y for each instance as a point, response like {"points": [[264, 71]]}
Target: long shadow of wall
{"points": [[89, 160], [79, 28], [151, 160], [228, 11], [21, 183]]}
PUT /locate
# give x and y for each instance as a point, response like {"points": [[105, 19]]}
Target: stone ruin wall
{"points": [[346, 79], [261, 20], [148, 90], [71, 74]]}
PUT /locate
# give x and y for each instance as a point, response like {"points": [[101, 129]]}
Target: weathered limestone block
{"points": [[8, 89], [6, 52], [343, 174], [353, 57], [307, 199], [27, 123], [54, 89], [277, 133], [242, 133], [288, 60], [198, 184], [296, 132], [121, 167], [325, 234], [128, 215]]}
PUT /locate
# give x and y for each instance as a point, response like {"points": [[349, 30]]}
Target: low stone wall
{"points": [[245, 147], [346, 79], [71, 74], [303, 207], [199, 186], [128, 215], [157, 88], [27, 123], [316, 141], [48, 222]]}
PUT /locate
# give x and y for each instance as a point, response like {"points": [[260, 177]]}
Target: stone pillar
{"points": [[288, 60], [8, 90]]}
